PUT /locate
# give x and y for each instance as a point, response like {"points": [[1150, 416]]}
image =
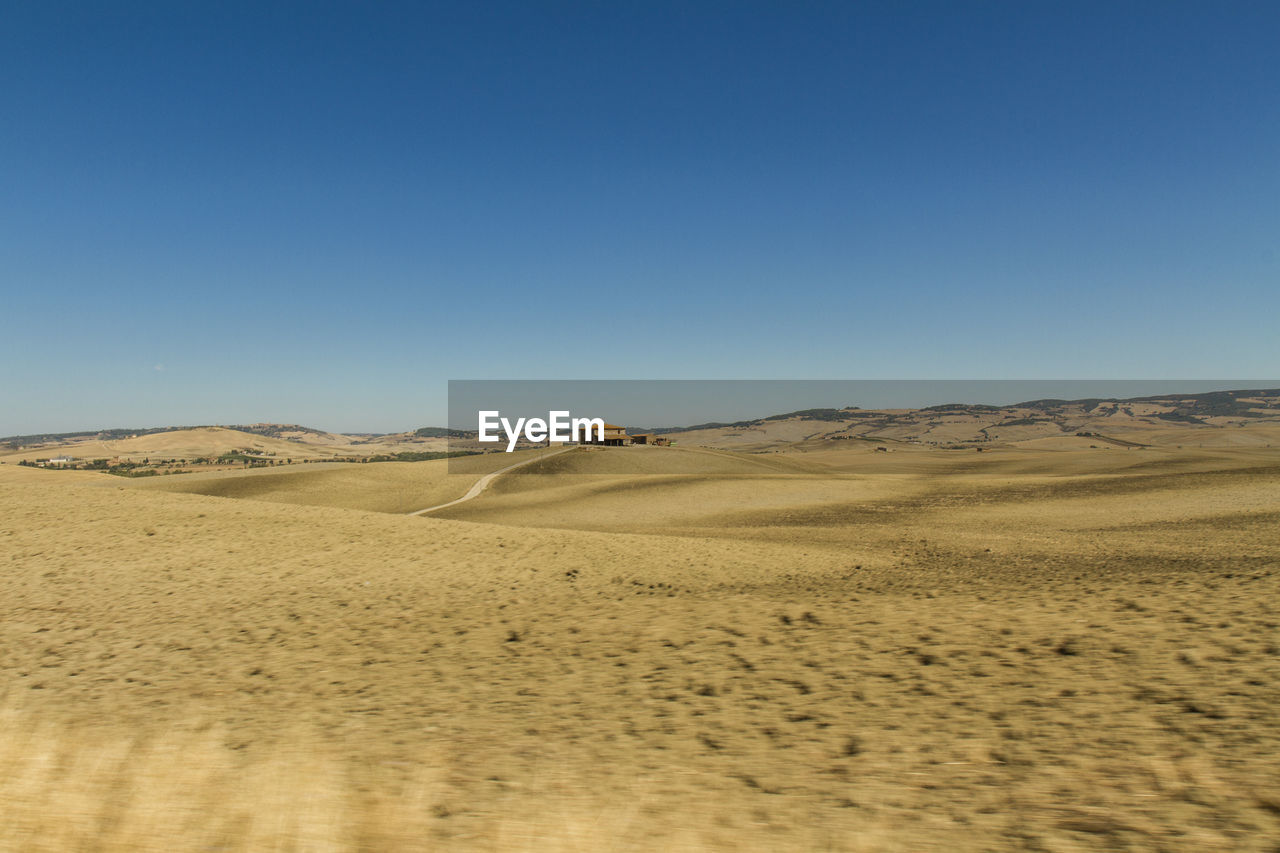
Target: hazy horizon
{"points": [[683, 403]]}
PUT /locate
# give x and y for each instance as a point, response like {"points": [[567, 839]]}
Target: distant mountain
{"points": [[1231, 404], [1130, 422], [1142, 419]]}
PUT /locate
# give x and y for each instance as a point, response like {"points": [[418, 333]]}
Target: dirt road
{"points": [[483, 483]]}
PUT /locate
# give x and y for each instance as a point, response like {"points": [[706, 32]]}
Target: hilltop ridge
{"points": [[1252, 416], [1248, 416]]}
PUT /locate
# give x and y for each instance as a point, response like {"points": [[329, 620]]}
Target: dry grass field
{"points": [[1034, 648], [395, 487]]}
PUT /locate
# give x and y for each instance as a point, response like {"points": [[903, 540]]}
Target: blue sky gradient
{"points": [[320, 212]]}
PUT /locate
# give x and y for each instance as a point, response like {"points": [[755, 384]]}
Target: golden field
{"points": [[827, 648]]}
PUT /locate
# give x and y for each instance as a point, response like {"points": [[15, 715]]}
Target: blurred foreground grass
{"points": [[82, 789]]}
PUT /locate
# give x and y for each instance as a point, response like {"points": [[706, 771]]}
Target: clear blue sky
{"points": [[319, 212]]}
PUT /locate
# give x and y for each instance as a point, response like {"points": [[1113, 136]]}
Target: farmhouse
{"points": [[614, 436], [649, 438]]}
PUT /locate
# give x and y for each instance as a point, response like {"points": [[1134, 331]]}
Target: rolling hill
{"points": [[1243, 418]]}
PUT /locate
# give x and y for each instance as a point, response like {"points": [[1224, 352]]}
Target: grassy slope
{"points": [[394, 487]]}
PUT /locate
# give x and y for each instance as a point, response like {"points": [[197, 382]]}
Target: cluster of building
{"points": [[616, 436], [55, 462]]}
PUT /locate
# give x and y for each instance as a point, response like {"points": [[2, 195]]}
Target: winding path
{"points": [[483, 483]]}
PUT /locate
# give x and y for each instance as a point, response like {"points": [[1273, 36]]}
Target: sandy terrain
{"points": [[1025, 649]]}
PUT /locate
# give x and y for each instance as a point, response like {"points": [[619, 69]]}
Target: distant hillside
{"points": [[15, 442], [268, 430], [180, 446], [442, 432], [1185, 407], [286, 431], [1132, 422]]}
